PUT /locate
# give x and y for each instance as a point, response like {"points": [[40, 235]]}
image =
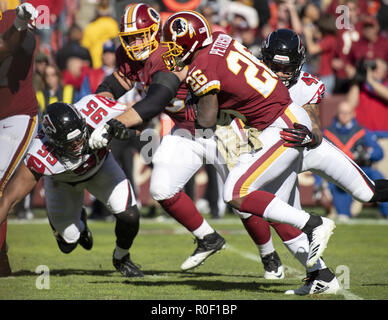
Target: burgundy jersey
{"points": [[180, 108], [17, 94], [242, 82]]}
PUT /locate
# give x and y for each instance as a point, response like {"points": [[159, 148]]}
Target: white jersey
{"points": [[42, 159], [308, 89]]}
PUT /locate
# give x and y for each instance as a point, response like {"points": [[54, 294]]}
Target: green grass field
{"points": [[357, 253]]}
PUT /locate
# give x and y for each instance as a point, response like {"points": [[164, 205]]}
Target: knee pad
{"points": [[161, 192], [130, 216]]}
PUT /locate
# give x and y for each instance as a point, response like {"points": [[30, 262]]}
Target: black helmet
{"points": [[65, 129], [284, 51]]}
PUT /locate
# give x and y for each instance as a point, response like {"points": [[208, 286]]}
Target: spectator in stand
{"points": [[100, 30], [95, 76], [283, 15], [72, 48], [54, 89], [369, 95], [348, 32], [41, 62], [371, 46], [325, 47], [361, 146], [210, 10]]}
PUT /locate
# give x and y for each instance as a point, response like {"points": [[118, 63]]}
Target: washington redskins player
{"points": [[19, 107], [61, 155]]}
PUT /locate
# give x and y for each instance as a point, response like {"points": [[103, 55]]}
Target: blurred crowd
{"points": [[346, 43]]}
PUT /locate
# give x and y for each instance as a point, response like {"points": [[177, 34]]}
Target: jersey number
{"points": [[44, 153], [95, 114], [309, 79], [256, 74]]}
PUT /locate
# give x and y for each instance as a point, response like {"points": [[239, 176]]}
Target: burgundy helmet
{"points": [[184, 33], [140, 21]]}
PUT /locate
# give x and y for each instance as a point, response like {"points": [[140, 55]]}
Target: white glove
{"points": [[24, 13], [100, 137]]}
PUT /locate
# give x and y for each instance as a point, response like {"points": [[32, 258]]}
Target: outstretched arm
{"points": [[15, 35], [17, 188]]}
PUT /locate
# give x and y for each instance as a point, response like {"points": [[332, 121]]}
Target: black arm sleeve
{"points": [[163, 88], [112, 85]]}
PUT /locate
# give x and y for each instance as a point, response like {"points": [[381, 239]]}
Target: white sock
{"points": [[282, 212], [120, 253], [299, 248], [266, 248], [203, 230]]}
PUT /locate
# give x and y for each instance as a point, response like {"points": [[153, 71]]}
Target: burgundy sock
{"points": [[256, 202], [285, 231], [258, 229], [3, 234], [183, 210]]}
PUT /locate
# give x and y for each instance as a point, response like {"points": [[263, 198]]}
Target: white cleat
{"points": [[319, 237], [207, 246], [318, 282]]}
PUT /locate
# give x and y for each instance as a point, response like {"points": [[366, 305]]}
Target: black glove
{"points": [[118, 130], [300, 136], [360, 75]]}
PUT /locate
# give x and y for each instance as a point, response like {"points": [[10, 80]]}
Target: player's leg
{"points": [[112, 188], [332, 164], [377, 176], [64, 210], [16, 134], [272, 166], [175, 161]]}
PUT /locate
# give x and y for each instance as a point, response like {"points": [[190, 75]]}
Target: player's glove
{"points": [[300, 136], [113, 128], [24, 13]]}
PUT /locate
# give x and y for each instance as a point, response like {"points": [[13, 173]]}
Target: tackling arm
{"points": [[17, 188], [313, 112]]}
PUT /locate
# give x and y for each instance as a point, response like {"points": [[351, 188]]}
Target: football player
{"points": [[61, 155], [180, 154], [18, 113], [263, 180]]}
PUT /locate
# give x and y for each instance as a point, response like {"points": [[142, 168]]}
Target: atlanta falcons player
{"points": [[60, 153]]}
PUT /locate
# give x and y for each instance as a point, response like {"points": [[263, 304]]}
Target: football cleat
{"points": [[5, 268], [86, 237], [272, 266], [318, 282], [318, 238], [207, 246], [126, 267]]}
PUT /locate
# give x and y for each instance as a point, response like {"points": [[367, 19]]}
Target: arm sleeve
{"points": [[163, 88], [112, 85]]}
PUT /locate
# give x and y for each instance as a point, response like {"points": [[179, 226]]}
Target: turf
{"points": [[357, 253]]}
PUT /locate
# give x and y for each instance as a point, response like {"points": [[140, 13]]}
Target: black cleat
{"points": [[126, 267], [207, 246], [272, 266], [86, 237]]}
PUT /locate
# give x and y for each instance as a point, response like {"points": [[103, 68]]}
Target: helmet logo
{"points": [[154, 15], [179, 28], [48, 125]]}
